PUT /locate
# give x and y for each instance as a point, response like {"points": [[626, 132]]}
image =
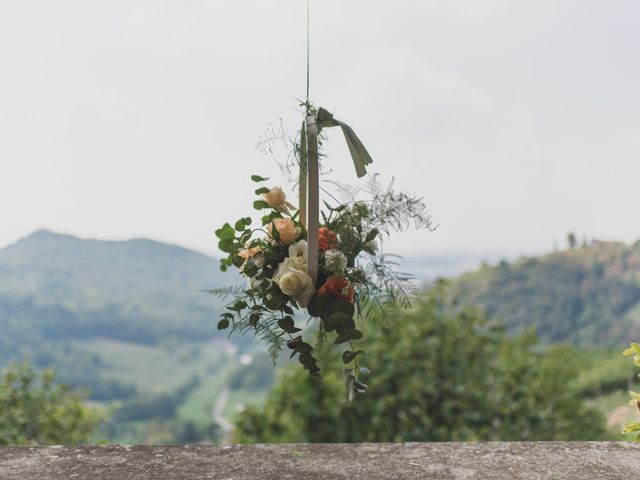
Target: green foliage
{"points": [[117, 318], [257, 377], [443, 373], [586, 296], [190, 433], [633, 427], [602, 372], [35, 410], [161, 406]]}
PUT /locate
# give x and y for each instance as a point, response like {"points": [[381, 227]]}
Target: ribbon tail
{"points": [[359, 153]]}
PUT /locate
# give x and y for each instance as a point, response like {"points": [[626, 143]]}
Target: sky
{"points": [[517, 121]]}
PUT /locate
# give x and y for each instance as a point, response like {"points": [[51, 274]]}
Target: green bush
{"points": [[35, 410], [441, 373]]}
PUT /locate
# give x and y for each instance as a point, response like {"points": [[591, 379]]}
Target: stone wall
{"points": [[486, 461]]}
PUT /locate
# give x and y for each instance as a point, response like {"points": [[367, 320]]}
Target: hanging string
{"points": [[311, 174], [302, 184], [308, 51]]}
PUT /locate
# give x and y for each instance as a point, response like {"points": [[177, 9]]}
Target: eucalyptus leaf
{"points": [[226, 233], [341, 306], [353, 334], [372, 235], [323, 305], [226, 245], [337, 321], [349, 381], [348, 357], [288, 325], [360, 386], [260, 205]]}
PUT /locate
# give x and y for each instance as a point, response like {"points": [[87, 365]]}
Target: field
{"points": [[193, 376]]}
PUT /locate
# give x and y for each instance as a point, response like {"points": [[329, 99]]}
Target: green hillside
{"points": [[587, 296], [58, 286], [127, 320]]}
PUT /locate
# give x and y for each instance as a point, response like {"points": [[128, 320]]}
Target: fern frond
{"points": [[225, 292]]}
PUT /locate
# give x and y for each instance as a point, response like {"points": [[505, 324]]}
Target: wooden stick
{"points": [[313, 203], [302, 183]]}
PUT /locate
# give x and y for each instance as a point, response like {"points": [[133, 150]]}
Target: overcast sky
{"points": [[516, 120]]}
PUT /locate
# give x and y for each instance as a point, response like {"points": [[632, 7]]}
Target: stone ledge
{"points": [[535, 461]]}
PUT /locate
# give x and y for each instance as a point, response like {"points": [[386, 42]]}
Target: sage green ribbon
{"points": [[359, 154], [309, 175]]}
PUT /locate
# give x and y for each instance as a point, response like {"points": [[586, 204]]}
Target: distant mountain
{"points": [[588, 295], [127, 320], [56, 286]]}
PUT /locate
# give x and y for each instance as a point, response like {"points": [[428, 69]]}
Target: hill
{"points": [[59, 287], [586, 296], [127, 320]]}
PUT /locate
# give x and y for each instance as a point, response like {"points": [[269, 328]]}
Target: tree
{"points": [[442, 373], [572, 240], [34, 409]]}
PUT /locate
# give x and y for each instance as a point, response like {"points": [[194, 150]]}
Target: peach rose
{"points": [[247, 253], [277, 200], [287, 230], [275, 197]]}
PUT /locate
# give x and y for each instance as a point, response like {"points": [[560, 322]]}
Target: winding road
{"points": [[217, 414]]}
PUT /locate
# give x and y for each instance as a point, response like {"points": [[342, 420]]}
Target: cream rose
{"points": [[298, 285], [294, 281], [286, 228], [247, 253]]}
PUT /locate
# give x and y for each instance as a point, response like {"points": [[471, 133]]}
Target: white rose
{"points": [[259, 261], [299, 249], [254, 282], [335, 261], [292, 283], [305, 296]]}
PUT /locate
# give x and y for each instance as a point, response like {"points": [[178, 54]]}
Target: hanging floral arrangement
{"points": [[338, 274]]}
